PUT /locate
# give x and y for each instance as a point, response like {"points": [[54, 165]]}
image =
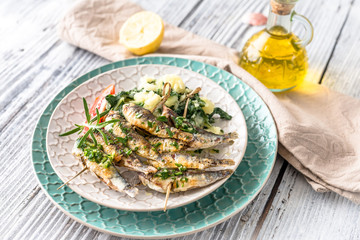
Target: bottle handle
{"points": [[307, 25]]}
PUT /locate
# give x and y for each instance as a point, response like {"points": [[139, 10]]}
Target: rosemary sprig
{"points": [[91, 126], [87, 114], [83, 138], [78, 129], [101, 115], [97, 116], [104, 136]]}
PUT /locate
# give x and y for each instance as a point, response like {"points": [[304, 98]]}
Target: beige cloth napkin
{"points": [[318, 128]]}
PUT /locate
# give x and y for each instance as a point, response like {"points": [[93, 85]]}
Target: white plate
{"points": [[70, 111]]}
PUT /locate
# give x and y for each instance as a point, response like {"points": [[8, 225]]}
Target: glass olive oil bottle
{"points": [[275, 55]]}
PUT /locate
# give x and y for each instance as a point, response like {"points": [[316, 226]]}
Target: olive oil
{"points": [[275, 55], [276, 59]]}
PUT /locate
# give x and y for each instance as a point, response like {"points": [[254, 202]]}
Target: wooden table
{"points": [[36, 64]]}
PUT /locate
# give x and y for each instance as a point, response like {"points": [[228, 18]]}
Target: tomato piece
{"points": [[100, 102]]}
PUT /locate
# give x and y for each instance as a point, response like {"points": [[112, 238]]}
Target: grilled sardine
{"points": [[133, 139], [171, 160], [110, 176], [122, 159], [165, 145], [144, 119], [189, 180], [201, 139]]}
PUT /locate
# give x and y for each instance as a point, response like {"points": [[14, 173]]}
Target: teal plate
{"points": [[226, 201]]}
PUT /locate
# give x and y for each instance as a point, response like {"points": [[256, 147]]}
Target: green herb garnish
{"points": [[94, 153], [150, 124], [165, 173], [221, 113], [122, 140], [162, 119], [128, 151], [156, 145], [171, 134], [175, 144]]}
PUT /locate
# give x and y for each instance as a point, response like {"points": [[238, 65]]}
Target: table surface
{"points": [[36, 64]]}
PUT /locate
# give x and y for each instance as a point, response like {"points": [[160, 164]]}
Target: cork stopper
{"points": [[281, 7]]}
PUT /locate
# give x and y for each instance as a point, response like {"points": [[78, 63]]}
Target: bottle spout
{"points": [[282, 7]]}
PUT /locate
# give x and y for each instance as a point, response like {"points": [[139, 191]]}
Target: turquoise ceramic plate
{"points": [[230, 198]]}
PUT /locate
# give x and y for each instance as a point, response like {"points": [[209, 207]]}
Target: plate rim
{"points": [[199, 196], [237, 210]]}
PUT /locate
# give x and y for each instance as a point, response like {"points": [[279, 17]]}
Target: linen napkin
{"points": [[318, 128]]}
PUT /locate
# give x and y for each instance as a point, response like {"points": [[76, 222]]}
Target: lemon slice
{"points": [[142, 33]]}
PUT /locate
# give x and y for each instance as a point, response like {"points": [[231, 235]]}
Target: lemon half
{"points": [[142, 33]]}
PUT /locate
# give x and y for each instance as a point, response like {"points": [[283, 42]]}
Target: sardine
{"points": [[171, 160], [144, 119], [134, 140], [149, 148], [165, 145], [201, 139], [189, 180], [169, 114], [122, 159], [204, 139], [110, 176]]}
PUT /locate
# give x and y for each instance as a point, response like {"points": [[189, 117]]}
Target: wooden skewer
{"points": [[165, 97], [72, 178], [193, 92], [167, 196], [186, 107]]}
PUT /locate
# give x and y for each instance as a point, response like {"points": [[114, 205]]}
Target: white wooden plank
{"points": [[221, 20], [343, 71], [298, 212], [169, 10]]}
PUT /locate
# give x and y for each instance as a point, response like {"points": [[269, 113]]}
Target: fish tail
{"points": [[132, 191], [226, 173], [233, 135], [230, 137], [225, 162]]}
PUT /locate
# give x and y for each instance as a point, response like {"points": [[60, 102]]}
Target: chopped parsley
{"points": [[171, 134], [182, 124], [156, 145], [128, 151], [122, 140], [175, 144], [150, 124], [165, 173], [162, 118], [94, 153]]}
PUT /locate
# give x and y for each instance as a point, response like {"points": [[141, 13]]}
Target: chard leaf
{"points": [[221, 113]]}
